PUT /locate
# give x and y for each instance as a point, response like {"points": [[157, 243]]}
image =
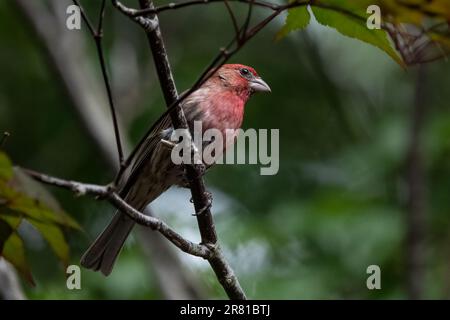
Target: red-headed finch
{"points": [[219, 104]]}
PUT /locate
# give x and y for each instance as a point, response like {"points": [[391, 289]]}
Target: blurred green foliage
{"points": [[22, 200], [338, 203]]}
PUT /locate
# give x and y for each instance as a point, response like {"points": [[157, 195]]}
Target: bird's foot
{"points": [[208, 205]]}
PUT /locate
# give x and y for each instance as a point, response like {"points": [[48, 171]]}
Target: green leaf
{"points": [[296, 19], [33, 208], [14, 252], [6, 169], [9, 222], [11, 217], [55, 238], [5, 232], [349, 19], [50, 232]]}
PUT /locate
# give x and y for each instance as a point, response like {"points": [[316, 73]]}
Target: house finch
{"points": [[219, 104]]}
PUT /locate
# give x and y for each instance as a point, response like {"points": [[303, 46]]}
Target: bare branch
{"points": [[194, 173], [232, 16], [147, 24], [101, 57], [108, 193], [247, 20], [79, 84]]}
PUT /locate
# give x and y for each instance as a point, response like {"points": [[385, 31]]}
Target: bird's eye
{"points": [[245, 72]]}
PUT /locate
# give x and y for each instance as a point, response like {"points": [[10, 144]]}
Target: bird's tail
{"points": [[102, 254]]}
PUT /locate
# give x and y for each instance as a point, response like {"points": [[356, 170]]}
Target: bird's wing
{"points": [[147, 147], [153, 138]]}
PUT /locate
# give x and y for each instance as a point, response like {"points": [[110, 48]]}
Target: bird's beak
{"points": [[259, 85]]}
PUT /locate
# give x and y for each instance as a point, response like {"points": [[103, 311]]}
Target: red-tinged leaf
{"points": [[43, 200]]}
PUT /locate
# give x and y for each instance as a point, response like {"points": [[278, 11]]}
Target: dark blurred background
{"points": [[364, 173]]}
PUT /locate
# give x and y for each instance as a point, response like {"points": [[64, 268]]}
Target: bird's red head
{"points": [[240, 79]]}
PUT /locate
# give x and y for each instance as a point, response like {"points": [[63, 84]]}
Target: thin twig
{"points": [[232, 16], [98, 37], [225, 53], [193, 172], [85, 17], [247, 19], [100, 17]]}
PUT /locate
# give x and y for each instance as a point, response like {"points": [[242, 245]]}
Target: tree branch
{"points": [[108, 193], [194, 174]]}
